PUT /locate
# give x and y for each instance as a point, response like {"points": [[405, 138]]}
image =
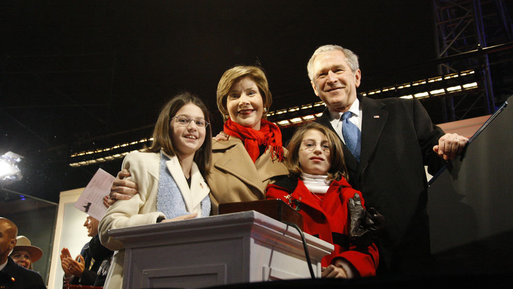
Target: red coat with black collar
{"points": [[327, 217]]}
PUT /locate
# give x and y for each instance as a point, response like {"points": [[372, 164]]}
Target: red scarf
{"points": [[268, 135]]}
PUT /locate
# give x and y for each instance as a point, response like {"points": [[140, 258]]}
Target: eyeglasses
{"points": [[185, 121], [310, 146]]}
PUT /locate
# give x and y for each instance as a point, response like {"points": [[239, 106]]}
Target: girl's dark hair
{"points": [[162, 139], [338, 166]]}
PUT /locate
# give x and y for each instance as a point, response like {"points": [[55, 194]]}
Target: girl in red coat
{"points": [[331, 209]]}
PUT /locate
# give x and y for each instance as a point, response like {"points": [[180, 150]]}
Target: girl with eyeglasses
{"points": [[248, 154], [169, 175], [333, 211]]}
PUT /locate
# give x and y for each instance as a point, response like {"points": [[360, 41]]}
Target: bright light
{"points": [[454, 88], [6, 169], [9, 171], [283, 123], [434, 79], [437, 91], [406, 85], [421, 95], [471, 85]]}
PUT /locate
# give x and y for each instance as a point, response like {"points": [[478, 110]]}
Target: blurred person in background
{"points": [[91, 266], [11, 274], [24, 254]]}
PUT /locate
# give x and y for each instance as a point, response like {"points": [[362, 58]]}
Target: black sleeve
{"points": [[97, 250], [427, 135]]}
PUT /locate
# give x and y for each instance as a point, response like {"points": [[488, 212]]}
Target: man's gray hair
{"points": [[352, 58]]}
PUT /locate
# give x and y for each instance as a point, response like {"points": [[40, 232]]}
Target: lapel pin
{"points": [[376, 116]]}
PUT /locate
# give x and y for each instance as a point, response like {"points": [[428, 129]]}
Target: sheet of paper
{"points": [[91, 199]]}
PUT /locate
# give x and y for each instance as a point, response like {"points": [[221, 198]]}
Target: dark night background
{"points": [[78, 75]]}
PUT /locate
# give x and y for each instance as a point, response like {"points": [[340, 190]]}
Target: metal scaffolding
{"points": [[467, 33]]}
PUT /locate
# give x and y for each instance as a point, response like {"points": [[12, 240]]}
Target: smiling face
{"points": [[187, 137], [245, 104], [314, 153], [334, 81], [92, 226], [22, 258]]}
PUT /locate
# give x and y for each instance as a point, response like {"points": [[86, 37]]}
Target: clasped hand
{"points": [[450, 145], [70, 266]]}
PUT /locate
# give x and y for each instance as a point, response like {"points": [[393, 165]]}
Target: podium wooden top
{"points": [[251, 223], [276, 209]]}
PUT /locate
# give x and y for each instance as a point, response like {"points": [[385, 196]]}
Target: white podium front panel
{"points": [[225, 249]]}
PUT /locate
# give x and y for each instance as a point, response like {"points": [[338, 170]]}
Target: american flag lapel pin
{"points": [[376, 116]]}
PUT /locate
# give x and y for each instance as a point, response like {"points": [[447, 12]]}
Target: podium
{"points": [[471, 203], [217, 250]]}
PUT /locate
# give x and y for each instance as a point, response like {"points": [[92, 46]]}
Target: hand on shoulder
{"points": [[122, 188]]}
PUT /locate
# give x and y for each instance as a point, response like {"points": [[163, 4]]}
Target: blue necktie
{"points": [[351, 135]]}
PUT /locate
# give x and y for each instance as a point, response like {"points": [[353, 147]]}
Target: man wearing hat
{"points": [[12, 275], [24, 254]]}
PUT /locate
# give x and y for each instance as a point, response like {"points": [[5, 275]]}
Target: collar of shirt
{"points": [[356, 118], [2, 266]]}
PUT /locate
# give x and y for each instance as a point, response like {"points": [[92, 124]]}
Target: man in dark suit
{"points": [[395, 139], [11, 274]]}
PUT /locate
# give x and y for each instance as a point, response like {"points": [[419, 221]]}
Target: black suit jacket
{"points": [[397, 141], [94, 254], [17, 277]]}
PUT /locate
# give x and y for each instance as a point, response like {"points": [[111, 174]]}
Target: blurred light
{"points": [[296, 120], [471, 85], [434, 79], [452, 75], [9, 171], [454, 88], [437, 91], [418, 82], [421, 95]]}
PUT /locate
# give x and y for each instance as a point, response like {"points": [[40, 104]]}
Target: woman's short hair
{"points": [[338, 165], [162, 139], [234, 74]]}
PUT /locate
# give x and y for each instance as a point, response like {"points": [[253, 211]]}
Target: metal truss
{"points": [[465, 29]]}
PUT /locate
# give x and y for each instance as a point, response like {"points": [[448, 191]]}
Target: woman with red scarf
{"points": [[252, 155]]}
